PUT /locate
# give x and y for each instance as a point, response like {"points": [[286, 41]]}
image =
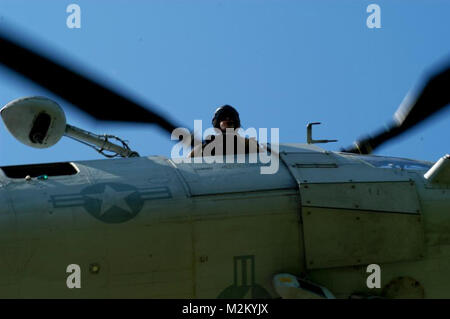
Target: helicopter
{"points": [[148, 227]]}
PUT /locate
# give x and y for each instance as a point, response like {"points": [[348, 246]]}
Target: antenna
{"points": [[309, 138]]}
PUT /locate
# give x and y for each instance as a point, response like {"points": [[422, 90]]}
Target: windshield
{"points": [[393, 162]]}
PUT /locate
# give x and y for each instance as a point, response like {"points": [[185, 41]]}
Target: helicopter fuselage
{"points": [[146, 227]]}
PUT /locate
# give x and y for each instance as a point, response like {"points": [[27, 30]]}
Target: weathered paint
{"points": [[154, 229]]}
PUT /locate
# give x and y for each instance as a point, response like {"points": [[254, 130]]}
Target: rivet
{"points": [[94, 268]]}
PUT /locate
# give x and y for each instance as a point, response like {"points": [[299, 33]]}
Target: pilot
{"points": [[225, 117], [226, 121]]}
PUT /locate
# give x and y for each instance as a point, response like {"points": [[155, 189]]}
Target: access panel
{"points": [[360, 223]]}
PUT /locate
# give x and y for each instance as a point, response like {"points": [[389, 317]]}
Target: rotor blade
{"points": [[82, 92], [434, 96]]}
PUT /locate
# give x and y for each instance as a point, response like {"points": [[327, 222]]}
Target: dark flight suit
{"points": [[251, 146]]}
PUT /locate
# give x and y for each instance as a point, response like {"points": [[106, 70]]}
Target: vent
{"points": [[35, 170]]}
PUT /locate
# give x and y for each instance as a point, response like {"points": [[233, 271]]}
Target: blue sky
{"points": [[280, 63]]}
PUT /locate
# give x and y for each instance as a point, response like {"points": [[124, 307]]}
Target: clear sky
{"points": [[282, 64]]}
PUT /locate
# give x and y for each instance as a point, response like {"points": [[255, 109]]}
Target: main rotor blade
{"points": [[434, 96], [87, 95]]}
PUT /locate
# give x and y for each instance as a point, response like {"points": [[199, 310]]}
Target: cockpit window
{"points": [[394, 162], [35, 170]]}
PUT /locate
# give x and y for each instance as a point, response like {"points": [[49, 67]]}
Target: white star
{"points": [[111, 197]]}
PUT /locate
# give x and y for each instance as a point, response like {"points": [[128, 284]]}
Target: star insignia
{"points": [[111, 198]]}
